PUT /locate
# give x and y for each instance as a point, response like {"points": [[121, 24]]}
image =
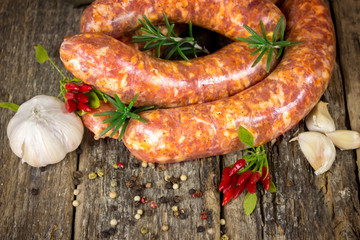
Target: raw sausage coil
{"points": [[113, 67], [267, 110]]}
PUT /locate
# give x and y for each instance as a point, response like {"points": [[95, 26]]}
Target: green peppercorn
{"points": [[143, 230], [92, 175], [100, 172], [224, 237]]}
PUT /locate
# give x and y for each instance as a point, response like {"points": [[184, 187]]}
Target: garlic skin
{"points": [[318, 150], [319, 119], [42, 132], [345, 139]]}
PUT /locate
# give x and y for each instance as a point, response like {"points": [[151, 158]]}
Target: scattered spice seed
{"points": [[169, 185], [151, 165], [113, 183], [153, 205], [192, 191], [113, 222], [174, 208], [222, 221], [104, 234], [113, 208], [145, 199], [177, 199], [34, 191], [224, 237], [175, 186], [140, 211], [144, 164], [174, 180], [100, 172], [164, 228], [115, 166], [167, 178], [112, 195], [76, 181], [76, 192], [75, 203], [112, 231], [183, 177], [143, 230], [78, 174], [92, 175], [137, 216], [148, 185], [203, 215], [176, 214], [121, 165], [200, 229], [161, 167], [183, 216], [193, 195], [133, 178], [163, 199], [137, 198], [130, 184]]}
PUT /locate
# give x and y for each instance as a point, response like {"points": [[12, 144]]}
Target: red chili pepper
{"points": [[244, 178], [251, 187], [238, 190], [121, 165], [263, 176], [231, 183], [266, 183], [72, 86], [83, 106], [255, 177], [70, 106], [69, 95], [224, 178], [81, 97], [85, 88], [228, 196], [237, 166]]}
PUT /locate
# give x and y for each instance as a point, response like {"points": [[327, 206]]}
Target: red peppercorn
{"points": [[238, 190], [70, 106], [145, 199], [255, 177], [251, 187], [121, 165], [153, 205], [198, 193], [193, 195], [71, 86], [203, 215], [85, 88], [228, 196], [69, 95], [83, 106], [244, 178], [237, 166], [81, 97], [232, 183]]}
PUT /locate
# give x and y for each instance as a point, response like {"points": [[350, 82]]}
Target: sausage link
{"points": [[267, 110]]}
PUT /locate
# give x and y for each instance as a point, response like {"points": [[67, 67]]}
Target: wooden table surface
{"points": [[305, 206]]}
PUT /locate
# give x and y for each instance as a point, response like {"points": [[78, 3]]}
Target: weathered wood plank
{"points": [[49, 214]]}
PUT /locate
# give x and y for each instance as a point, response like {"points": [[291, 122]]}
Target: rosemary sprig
{"points": [[156, 39], [121, 116], [263, 44]]}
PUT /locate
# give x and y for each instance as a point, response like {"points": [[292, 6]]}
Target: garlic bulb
{"points": [[42, 132], [319, 119], [345, 139], [318, 150]]}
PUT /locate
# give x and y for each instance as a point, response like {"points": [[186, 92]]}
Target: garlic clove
{"points": [[318, 150], [345, 139], [319, 119]]}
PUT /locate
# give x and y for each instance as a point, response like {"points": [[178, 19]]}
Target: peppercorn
{"points": [[177, 199], [200, 229], [183, 216], [145, 199], [183, 177], [163, 199], [176, 214], [130, 184], [210, 231], [153, 205], [100, 172], [137, 216], [151, 165], [76, 192], [76, 181], [161, 167], [92, 175], [148, 185], [164, 228], [193, 195], [75, 203], [112, 231], [224, 237], [174, 180], [113, 208], [222, 221], [112, 195], [121, 165], [175, 186], [137, 198], [167, 178], [140, 212], [34, 191], [169, 185], [113, 222], [203, 215], [115, 166], [143, 230], [192, 191], [144, 164], [77, 174], [133, 178], [105, 234], [174, 208]]}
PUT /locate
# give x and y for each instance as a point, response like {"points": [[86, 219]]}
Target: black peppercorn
{"points": [[200, 229], [77, 174], [177, 199], [133, 178], [192, 191], [130, 184], [34, 191], [163, 199], [76, 181], [169, 185], [223, 228], [112, 231], [183, 216], [174, 180], [105, 234], [113, 208]]}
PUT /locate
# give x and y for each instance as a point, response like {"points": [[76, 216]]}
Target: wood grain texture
{"points": [[305, 206]]}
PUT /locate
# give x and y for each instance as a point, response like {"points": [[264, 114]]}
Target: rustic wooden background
{"points": [[305, 206]]}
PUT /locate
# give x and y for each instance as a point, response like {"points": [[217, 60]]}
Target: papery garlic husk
{"points": [[318, 150], [319, 119], [42, 132], [345, 139]]}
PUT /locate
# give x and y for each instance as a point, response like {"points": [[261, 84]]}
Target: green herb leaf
{"points": [[12, 106], [40, 54], [245, 136], [250, 203], [272, 187], [94, 101]]}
